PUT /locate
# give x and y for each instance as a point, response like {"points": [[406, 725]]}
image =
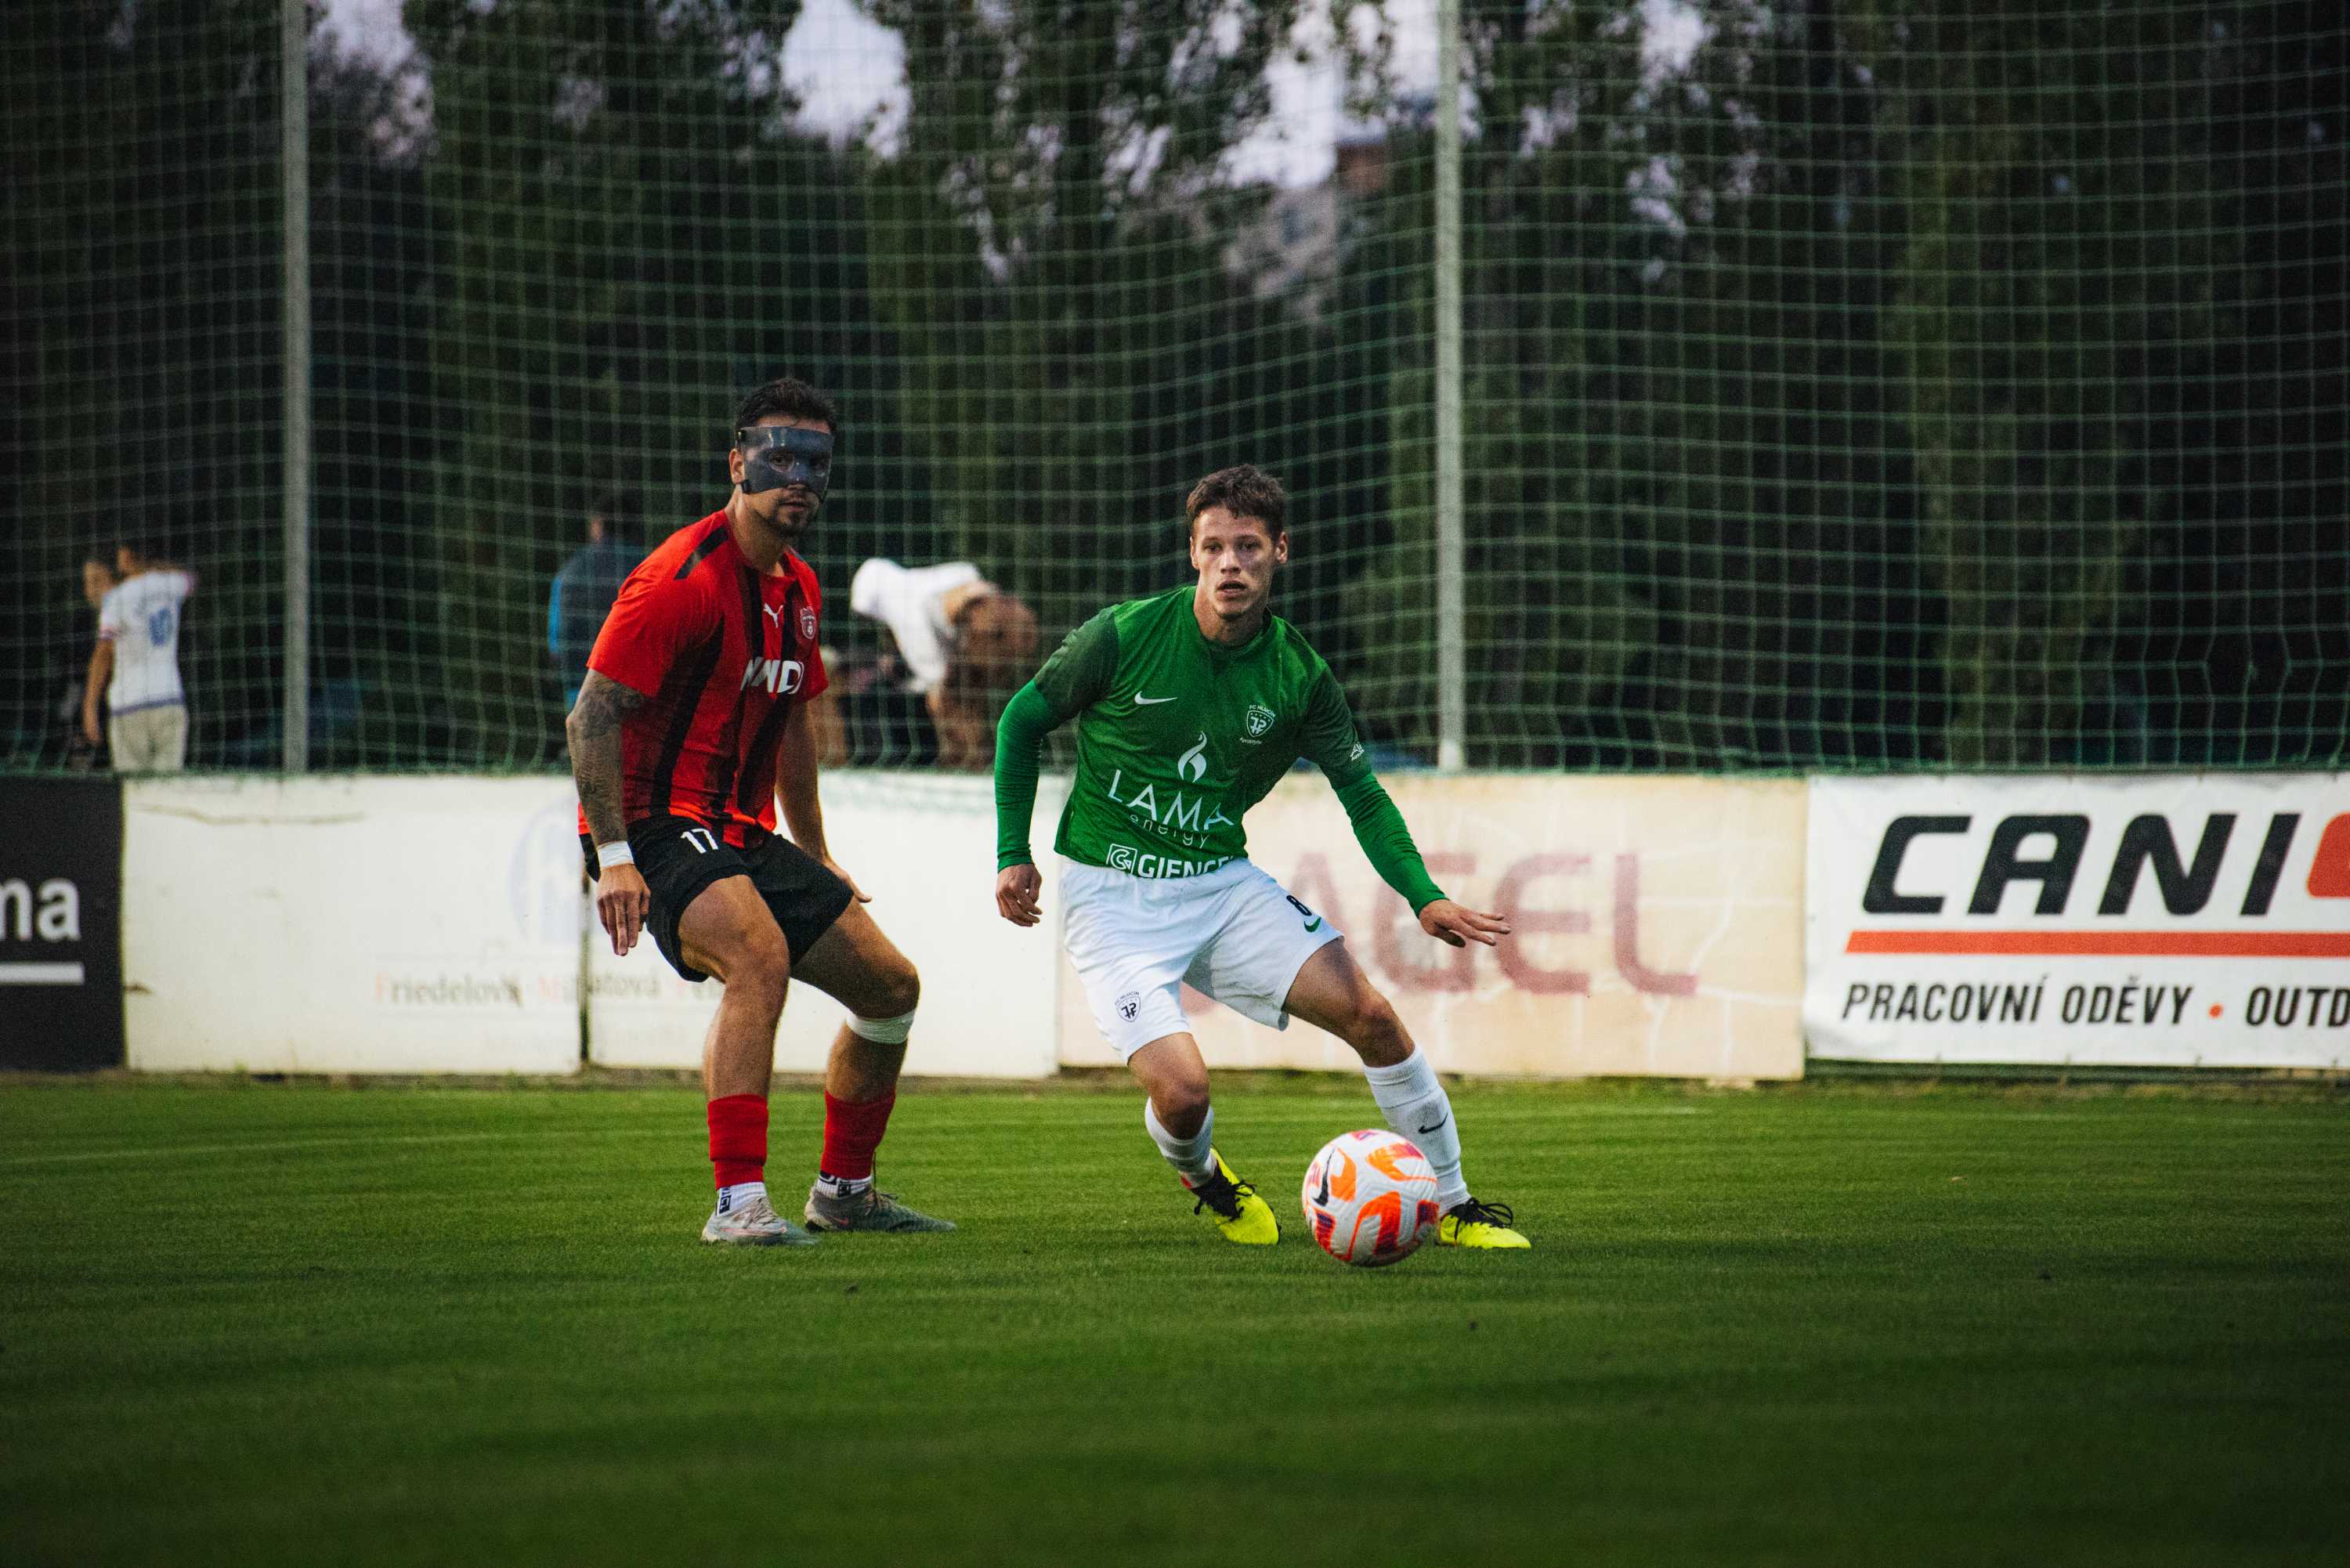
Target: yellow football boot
{"points": [[1475, 1224], [1241, 1214]]}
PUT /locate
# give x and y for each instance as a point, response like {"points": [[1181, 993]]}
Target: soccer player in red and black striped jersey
{"points": [[690, 723]]}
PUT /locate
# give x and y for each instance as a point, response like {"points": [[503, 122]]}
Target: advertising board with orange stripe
{"points": [[2143, 920]]}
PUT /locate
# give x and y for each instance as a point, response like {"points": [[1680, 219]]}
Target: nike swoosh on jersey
{"points": [[1142, 701], [1315, 924]]}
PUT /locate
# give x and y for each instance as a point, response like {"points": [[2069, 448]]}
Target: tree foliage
{"points": [[1048, 239], [1871, 384]]}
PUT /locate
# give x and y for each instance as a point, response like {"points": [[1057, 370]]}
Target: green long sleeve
{"points": [[1019, 750], [1379, 829], [1072, 681]]}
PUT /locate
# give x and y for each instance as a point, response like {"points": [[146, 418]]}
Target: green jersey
{"points": [[1178, 736]]}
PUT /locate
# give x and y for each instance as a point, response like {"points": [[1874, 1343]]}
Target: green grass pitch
{"points": [[249, 1324]]}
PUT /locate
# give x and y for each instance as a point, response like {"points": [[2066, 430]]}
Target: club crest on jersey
{"points": [[1258, 720], [807, 622], [781, 677]]}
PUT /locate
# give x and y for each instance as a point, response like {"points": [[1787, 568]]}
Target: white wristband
{"points": [[616, 852]]}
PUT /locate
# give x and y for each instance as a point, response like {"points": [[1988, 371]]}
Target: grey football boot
{"points": [[754, 1224], [871, 1210]]}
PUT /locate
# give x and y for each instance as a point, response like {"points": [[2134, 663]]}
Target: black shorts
{"points": [[679, 857]]}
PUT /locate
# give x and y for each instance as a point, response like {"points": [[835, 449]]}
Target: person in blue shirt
{"points": [[583, 592]]}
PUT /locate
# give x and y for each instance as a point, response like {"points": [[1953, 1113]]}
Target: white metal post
{"points": [[294, 162], [1452, 558]]}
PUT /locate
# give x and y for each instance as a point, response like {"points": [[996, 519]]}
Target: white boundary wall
{"points": [[438, 925], [435, 925], [348, 925], [924, 847]]}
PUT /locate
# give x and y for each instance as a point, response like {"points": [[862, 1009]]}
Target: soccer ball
{"points": [[1370, 1198]]}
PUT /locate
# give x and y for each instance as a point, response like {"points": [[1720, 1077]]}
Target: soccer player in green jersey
{"points": [[1189, 706]]}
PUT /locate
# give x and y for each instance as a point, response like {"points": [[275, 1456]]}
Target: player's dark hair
{"points": [[792, 399], [1246, 490]]}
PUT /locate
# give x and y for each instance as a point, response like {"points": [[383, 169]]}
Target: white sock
{"points": [[730, 1199], [1416, 1105], [841, 1185], [1191, 1157]]}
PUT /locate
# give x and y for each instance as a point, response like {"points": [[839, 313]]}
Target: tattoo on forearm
{"points": [[594, 730]]}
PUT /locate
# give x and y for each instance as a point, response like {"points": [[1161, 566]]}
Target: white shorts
{"points": [[1234, 933]]}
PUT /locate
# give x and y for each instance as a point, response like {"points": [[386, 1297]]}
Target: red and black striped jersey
{"points": [[724, 651]]}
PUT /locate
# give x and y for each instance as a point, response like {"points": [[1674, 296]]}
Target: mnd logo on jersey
{"points": [[781, 677]]}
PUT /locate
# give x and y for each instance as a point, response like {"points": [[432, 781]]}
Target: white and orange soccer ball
{"points": [[1370, 1198]]}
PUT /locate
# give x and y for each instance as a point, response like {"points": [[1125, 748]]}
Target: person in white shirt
{"points": [[965, 644], [137, 665]]}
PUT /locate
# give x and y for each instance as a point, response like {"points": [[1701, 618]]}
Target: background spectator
{"points": [[82, 753], [584, 589], [137, 663], [964, 643]]}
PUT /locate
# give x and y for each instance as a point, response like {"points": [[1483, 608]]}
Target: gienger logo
{"points": [[2047, 853]]}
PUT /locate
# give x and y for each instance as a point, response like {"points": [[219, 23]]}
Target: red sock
{"points": [[852, 1131], [738, 1138]]}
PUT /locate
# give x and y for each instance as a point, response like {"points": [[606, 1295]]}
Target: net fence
{"points": [[1846, 384]]}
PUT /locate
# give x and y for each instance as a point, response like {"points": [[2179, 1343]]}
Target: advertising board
{"points": [[1657, 928], [2144, 920], [60, 925]]}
